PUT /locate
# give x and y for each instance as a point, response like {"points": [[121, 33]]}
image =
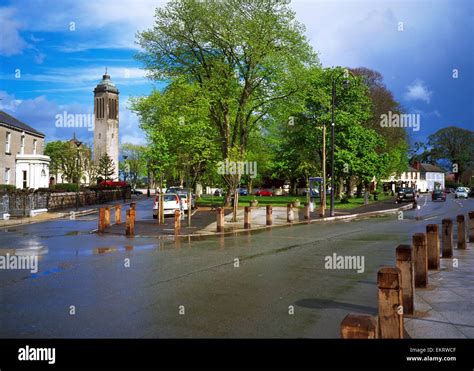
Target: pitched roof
{"points": [[431, 168], [8, 120]]}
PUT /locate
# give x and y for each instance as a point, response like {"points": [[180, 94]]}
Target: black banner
{"points": [[237, 354]]}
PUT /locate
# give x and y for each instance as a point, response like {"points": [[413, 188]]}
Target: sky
{"points": [[53, 54]]}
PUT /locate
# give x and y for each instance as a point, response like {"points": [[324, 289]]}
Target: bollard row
{"points": [[396, 285]]}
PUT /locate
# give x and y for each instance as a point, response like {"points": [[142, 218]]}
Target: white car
{"points": [[461, 192], [171, 202], [184, 200]]}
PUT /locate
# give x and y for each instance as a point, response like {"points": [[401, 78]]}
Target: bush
{"points": [[7, 187], [345, 200], [65, 187], [43, 190]]}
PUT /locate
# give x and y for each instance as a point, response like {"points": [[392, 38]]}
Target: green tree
{"points": [[135, 164], [105, 167], [242, 55], [68, 159], [455, 145]]}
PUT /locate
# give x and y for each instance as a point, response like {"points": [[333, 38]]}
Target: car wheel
{"points": [[155, 216]]}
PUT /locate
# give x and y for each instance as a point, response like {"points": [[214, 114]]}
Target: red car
{"points": [[264, 192]]}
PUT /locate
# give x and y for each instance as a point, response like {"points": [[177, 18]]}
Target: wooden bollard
{"points": [[177, 221], [390, 303], [107, 216], [420, 255], [471, 226], [290, 216], [461, 232], [432, 241], [101, 227], [269, 215], [447, 238], [220, 219], [118, 214], [405, 264], [129, 223], [358, 326], [307, 213], [247, 217]]}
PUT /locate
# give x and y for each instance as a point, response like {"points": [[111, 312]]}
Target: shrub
{"points": [[7, 187], [66, 187]]}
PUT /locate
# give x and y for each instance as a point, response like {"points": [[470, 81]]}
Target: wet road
{"points": [[267, 284]]}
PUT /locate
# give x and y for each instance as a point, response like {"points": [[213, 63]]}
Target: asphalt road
{"points": [[277, 287]]}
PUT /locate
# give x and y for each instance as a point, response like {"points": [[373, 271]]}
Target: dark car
{"points": [[406, 195], [136, 192], [438, 194], [243, 192]]}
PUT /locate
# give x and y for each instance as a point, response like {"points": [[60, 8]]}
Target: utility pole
{"points": [[322, 207]]}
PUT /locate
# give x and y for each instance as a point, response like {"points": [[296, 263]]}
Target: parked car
{"points": [[406, 195], [218, 192], [136, 192], [243, 191], [171, 202], [264, 192], [461, 192], [438, 194], [450, 190], [174, 190], [184, 200]]}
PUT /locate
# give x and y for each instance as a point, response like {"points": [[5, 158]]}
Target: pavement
{"points": [[204, 219], [445, 308], [268, 283]]}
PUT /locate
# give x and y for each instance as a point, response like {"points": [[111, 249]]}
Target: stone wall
{"points": [[64, 200], [21, 203]]}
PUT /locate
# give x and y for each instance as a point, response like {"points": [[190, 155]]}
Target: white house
{"points": [[22, 162]]}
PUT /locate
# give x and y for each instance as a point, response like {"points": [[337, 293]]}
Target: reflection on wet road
{"points": [[237, 286]]}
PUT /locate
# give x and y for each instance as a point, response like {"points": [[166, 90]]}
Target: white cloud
{"points": [[11, 43], [418, 91], [80, 78], [40, 113]]}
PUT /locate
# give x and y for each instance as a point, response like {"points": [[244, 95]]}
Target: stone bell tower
{"points": [[106, 121]]}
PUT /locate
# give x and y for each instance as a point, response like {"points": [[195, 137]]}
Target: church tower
{"points": [[106, 121]]}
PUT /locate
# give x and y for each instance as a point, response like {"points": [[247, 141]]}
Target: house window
{"points": [[25, 179], [22, 148], [35, 145], [8, 140], [6, 177]]}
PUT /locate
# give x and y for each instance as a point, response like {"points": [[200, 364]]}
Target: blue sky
{"points": [[416, 45]]}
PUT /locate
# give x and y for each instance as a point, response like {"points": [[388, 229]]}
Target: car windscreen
{"points": [[170, 198]]}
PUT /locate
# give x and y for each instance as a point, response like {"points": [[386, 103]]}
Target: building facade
{"points": [[22, 162], [422, 177], [106, 122]]}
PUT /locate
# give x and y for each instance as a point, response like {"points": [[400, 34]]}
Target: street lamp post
{"points": [[125, 168], [334, 80], [78, 144]]}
